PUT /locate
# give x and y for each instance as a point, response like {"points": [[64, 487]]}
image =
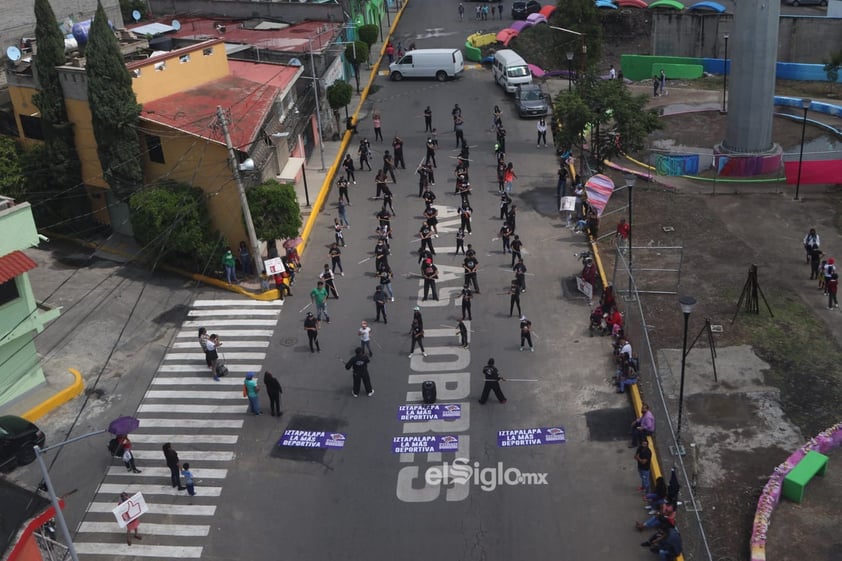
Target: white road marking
{"points": [[164, 472], [204, 368], [244, 302], [229, 323], [191, 394], [200, 357], [191, 455], [195, 381], [159, 508], [225, 334], [186, 438], [233, 312], [170, 408], [148, 529], [192, 423], [115, 550], [228, 345], [148, 490]]}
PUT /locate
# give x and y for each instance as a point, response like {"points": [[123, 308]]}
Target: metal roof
{"points": [[14, 264]]}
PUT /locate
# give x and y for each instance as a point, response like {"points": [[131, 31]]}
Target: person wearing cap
{"points": [[133, 525], [251, 389], [526, 333], [416, 316], [492, 383], [311, 326], [359, 362]]}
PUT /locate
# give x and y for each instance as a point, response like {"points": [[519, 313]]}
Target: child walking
{"points": [[188, 479]]}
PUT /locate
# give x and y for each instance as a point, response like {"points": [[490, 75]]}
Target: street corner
{"points": [[52, 398]]}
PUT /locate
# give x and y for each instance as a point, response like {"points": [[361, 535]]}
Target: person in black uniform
{"points": [[465, 217], [417, 334], [381, 256], [387, 199], [379, 182], [471, 266], [335, 255], [364, 151], [505, 235], [511, 218], [431, 213], [428, 119], [359, 362], [423, 179], [505, 201], [526, 333], [428, 195], [516, 247], [514, 297], [397, 146], [520, 274], [380, 303], [389, 165], [431, 153], [462, 329], [467, 296], [431, 273], [460, 241], [327, 277], [423, 256], [384, 216], [311, 325], [342, 182], [492, 383], [425, 233], [385, 276], [348, 165]]}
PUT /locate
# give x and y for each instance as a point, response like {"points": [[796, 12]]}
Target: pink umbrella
{"points": [[536, 71]]}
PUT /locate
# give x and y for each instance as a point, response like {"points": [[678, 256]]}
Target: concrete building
{"points": [[20, 317]]}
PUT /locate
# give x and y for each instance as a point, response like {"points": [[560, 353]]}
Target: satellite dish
{"points": [[13, 53], [295, 62], [136, 15], [176, 24]]}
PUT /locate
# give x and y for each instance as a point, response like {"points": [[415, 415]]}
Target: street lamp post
{"points": [[725, 76], [687, 304], [805, 104], [569, 56], [318, 103], [630, 181]]}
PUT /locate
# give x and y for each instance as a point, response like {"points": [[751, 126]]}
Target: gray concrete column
{"points": [[752, 49]]}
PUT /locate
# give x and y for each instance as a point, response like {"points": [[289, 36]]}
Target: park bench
{"points": [[796, 480]]}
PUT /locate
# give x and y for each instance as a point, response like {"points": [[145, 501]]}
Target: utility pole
{"points": [[235, 168]]}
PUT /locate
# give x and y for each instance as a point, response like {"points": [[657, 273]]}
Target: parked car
{"points": [[531, 101], [17, 437], [806, 2], [440, 64], [520, 10]]}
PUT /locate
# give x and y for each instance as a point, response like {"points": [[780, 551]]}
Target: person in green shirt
{"points": [[229, 263], [318, 296], [251, 389]]}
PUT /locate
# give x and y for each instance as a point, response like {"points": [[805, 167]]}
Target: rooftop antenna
{"points": [[136, 15], [176, 24]]}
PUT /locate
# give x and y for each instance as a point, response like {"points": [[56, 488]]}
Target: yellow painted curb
{"points": [[63, 396]]}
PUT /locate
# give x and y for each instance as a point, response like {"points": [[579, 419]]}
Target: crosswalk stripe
{"points": [[160, 508], [226, 334], [203, 368], [191, 455], [224, 393], [253, 303], [230, 323], [149, 490], [188, 438], [196, 381], [233, 312], [201, 356], [191, 423], [232, 344], [147, 529], [170, 408], [165, 472], [139, 550]]}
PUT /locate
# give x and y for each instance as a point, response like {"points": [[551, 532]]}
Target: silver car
{"points": [[531, 101]]}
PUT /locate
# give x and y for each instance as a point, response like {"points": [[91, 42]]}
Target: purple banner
{"points": [[530, 437], [436, 412], [312, 439], [421, 444]]}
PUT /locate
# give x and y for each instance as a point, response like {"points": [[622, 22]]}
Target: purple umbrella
{"points": [[123, 425]]}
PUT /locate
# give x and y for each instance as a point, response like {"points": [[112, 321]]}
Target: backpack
{"points": [[114, 448]]}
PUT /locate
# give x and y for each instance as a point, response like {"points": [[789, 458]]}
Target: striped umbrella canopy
{"points": [[599, 189]]}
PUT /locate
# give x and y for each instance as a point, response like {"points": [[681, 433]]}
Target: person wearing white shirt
{"points": [[612, 74], [365, 337], [542, 132]]}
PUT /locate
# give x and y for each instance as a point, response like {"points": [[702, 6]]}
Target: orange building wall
{"points": [[178, 74], [21, 98]]}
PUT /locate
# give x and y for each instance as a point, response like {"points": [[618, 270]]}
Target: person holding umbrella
{"points": [[128, 458], [171, 457]]}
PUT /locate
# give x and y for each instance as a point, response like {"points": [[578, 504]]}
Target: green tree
{"points": [[368, 35], [831, 67], [66, 169], [356, 54], [114, 109], [12, 179], [339, 94], [171, 221], [274, 210]]}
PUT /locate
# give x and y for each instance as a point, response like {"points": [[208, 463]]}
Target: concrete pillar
{"points": [[753, 49]]}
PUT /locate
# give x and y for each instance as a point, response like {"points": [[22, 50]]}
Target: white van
{"points": [[440, 64], [510, 70]]}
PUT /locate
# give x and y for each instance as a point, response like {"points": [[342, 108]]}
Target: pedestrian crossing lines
{"points": [[201, 418]]}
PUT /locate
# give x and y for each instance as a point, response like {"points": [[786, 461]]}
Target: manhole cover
{"points": [[606, 425], [306, 422]]}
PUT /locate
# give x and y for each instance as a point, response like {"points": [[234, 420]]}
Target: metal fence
{"points": [[663, 403]]}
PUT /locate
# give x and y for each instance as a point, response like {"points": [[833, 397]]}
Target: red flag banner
{"points": [[814, 172]]}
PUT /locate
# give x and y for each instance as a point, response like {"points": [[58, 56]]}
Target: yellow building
{"points": [[180, 136]]}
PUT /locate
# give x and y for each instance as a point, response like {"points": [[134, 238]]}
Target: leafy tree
{"points": [[58, 131], [620, 119], [12, 179], [356, 54], [831, 67], [368, 35], [171, 221], [114, 109], [339, 94], [274, 210]]}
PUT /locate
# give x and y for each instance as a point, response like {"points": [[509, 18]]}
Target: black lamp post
{"points": [[805, 104], [569, 56], [630, 181], [725, 76], [687, 304]]}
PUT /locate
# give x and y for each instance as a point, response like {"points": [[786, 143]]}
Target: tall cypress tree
{"points": [[114, 109], [59, 142]]}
